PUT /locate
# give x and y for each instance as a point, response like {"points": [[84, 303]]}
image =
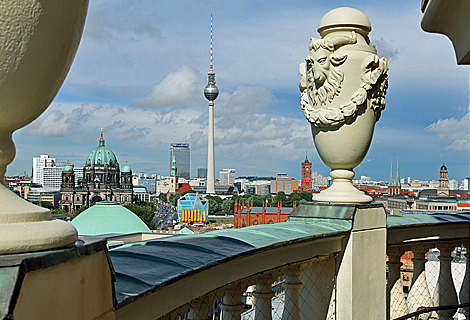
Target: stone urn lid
{"points": [[344, 18]]}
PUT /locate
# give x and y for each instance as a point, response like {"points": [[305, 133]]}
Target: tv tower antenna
{"points": [[211, 92]]}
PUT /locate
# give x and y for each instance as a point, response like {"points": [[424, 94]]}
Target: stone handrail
{"points": [[417, 234]]}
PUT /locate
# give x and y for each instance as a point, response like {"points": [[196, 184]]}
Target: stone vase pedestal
{"points": [[343, 89], [39, 41]]}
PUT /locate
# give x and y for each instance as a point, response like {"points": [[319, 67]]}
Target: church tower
{"points": [[173, 177], [394, 185], [443, 190], [306, 182]]}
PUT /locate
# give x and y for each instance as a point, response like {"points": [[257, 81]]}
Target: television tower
{"points": [[211, 92]]}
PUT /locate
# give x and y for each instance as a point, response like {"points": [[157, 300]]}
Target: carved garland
{"points": [[374, 84]]}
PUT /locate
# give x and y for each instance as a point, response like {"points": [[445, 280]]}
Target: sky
{"points": [[141, 68]]}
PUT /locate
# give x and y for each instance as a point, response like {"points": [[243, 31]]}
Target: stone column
{"points": [[445, 293], [292, 295], [465, 289], [231, 305], [419, 295], [396, 299], [263, 294]]}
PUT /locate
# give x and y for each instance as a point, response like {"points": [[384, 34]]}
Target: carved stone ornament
{"points": [[39, 41], [343, 85], [318, 89]]}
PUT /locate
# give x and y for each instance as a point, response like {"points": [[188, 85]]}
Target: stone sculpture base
{"points": [[25, 227], [342, 190]]}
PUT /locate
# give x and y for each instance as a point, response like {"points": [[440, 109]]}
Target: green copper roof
{"points": [[126, 168], [101, 156], [107, 217], [68, 168]]}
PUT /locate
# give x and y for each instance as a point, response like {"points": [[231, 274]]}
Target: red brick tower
{"points": [[306, 183]]}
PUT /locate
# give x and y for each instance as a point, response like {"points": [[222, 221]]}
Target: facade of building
{"points": [[246, 215], [284, 183], [193, 208], [259, 187], [102, 179], [202, 173], [39, 163], [227, 177], [182, 154], [52, 177]]}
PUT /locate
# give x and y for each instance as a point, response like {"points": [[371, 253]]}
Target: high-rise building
{"points": [[284, 183], [182, 155], [39, 163], [227, 176], [202, 173]]}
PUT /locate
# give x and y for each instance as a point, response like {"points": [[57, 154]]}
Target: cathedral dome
{"points": [[126, 169], [107, 217], [68, 168], [443, 167], [101, 156]]}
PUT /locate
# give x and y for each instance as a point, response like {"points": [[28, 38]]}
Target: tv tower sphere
{"points": [[210, 91]]}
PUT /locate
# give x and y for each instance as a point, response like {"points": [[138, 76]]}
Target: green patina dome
{"points": [[108, 217], [101, 156], [68, 168], [126, 169]]}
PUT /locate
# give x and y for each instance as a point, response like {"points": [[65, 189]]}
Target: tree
{"points": [[227, 206], [145, 213], [215, 203], [279, 197], [44, 204], [80, 210], [58, 211], [162, 197], [174, 198]]}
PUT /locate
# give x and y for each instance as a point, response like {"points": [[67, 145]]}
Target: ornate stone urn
{"points": [[38, 42], [343, 88]]}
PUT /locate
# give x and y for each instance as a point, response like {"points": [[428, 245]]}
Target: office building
{"points": [[39, 163], [227, 176], [202, 173], [182, 154]]}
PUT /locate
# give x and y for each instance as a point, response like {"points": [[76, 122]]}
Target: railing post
{"points": [[445, 293], [319, 289], [231, 305], [361, 275], [292, 296], [199, 310], [465, 289], [419, 295], [396, 300], [263, 294]]}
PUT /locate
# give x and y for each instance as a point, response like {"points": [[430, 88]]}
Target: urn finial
{"points": [[343, 88]]}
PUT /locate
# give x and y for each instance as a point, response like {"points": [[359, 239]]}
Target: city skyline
{"points": [[142, 80]]}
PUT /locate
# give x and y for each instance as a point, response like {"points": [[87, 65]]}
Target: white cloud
{"points": [[182, 87], [59, 122], [455, 130]]}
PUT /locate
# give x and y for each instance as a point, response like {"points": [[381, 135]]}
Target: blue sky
{"points": [[142, 65]]}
